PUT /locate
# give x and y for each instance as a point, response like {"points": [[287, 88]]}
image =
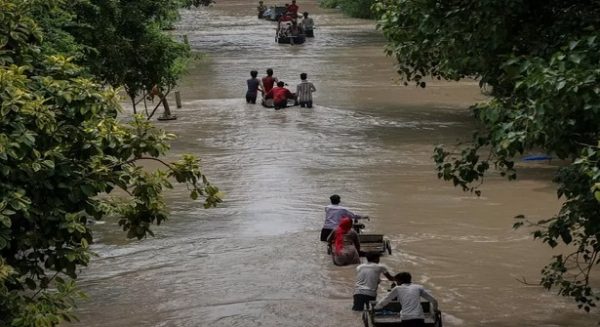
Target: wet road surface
{"points": [[256, 260]]}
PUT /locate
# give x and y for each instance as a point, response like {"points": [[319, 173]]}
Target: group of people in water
{"points": [[274, 90], [288, 24], [345, 243]]}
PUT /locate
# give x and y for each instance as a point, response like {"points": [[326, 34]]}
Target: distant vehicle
{"points": [[284, 35]]}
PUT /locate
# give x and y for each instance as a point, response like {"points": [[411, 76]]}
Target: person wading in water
{"points": [[409, 295], [346, 244], [280, 95], [253, 87], [268, 81]]}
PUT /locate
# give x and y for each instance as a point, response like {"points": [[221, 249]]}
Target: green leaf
{"points": [[5, 220], [575, 58], [573, 44], [49, 164], [566, 236]]}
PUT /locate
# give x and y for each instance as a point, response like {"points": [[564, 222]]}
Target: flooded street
{"points": [[256, 259]]}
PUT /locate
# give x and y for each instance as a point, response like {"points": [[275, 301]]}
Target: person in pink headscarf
{"points": [[346, 245]]}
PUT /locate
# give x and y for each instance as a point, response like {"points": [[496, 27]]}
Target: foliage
{"points": [[197, 3], [541, 58], [62, 154], [128, 46], [353, 8], [330, 3]]}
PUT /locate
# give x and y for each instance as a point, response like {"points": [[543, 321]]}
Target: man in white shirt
{"points": [[367, 281], [304, 92], [307, 25], [333, 215], [409, 295]]}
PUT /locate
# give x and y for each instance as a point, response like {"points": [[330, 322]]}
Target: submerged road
{"points": [[256, 259]]}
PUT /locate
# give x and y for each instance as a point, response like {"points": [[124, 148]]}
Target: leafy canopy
{"points": [[541, 60], [126, 43], [63, 152]]}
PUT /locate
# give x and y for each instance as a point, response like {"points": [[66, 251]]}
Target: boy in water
{"points": [[280, 95], [304, 92], [268, 81], [367, 281], [253, 87]]}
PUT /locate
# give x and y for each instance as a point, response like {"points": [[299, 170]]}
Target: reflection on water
{"points": [[256, 260]]}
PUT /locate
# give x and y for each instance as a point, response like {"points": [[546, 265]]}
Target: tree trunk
{"points": [[167, 113], [133, 103]]}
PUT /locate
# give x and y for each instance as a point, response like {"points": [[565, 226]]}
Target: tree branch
{"points": [[524, 281], [166, 164]]}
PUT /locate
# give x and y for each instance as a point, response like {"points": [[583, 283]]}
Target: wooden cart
{"points": [[389, 316], [368, 242]]}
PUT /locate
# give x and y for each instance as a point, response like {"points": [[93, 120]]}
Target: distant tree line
{"points": [[353, 8]]}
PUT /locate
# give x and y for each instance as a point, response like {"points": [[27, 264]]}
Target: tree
{"points": [[541, 60], [63, 152], [353, 8], [127, 45]]}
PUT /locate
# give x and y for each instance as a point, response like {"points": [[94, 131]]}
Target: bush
{"points": [[352, 8]]}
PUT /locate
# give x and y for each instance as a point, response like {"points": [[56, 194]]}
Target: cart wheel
{"points": [[388, 246], [438, 319], [365, 318]]}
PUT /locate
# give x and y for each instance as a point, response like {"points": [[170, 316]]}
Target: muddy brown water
{"points": [[256, 260]]}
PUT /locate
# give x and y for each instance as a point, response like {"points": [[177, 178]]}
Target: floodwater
{"points": [[256, 259]]}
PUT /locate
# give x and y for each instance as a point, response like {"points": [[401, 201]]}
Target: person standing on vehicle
{"points": [[333, 216], [280, 95], [253, 87], [268, 81], [409, 295], [304, 92], [293, 9], [367, 281]]}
